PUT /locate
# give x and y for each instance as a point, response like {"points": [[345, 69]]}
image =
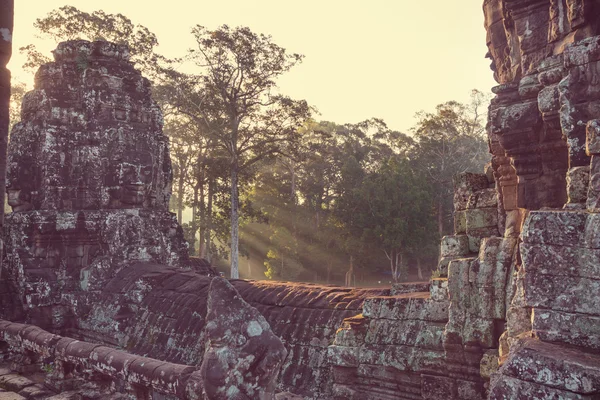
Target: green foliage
{"points": [[48, 368], [17, 92], [309, 196], [366, 192], [450, 141], [70, 23], [233, 103]]}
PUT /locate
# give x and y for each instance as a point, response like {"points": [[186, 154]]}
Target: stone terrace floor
{"points": [[31, 386]]}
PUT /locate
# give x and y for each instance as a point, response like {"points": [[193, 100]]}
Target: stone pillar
{"points": [[6, 29]]}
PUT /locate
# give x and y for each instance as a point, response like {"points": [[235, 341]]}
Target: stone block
{"points": [[593, 193], [465, 185], [14, 382], [343, 356], [583, 52], [577, 184], [561, 261], [456, 245], [481, 218], [562, 293], [443, 264], [115, 362], [504, 387], [460, 222], [470, 390], [485, 198], [37, 391], [514, 223], [172, 378], [592, 145], [474, 244], [437, 387], [548, 100], [458, 278], [475, 236], [509, 196], [575, 329], [489, 363], [11, 396], [561, 228], [439, 289], [529, 86], [409, 287], [554, 365], [479, 332]]}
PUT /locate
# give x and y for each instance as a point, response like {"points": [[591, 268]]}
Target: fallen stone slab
{"points": [[72, 395], [15, 382], [11, 396], [35, 392]]}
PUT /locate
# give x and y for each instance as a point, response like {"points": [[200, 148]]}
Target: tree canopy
{"points": [[300, 199]]}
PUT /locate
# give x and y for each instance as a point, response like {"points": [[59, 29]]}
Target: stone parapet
{"points": [[66, 359]]}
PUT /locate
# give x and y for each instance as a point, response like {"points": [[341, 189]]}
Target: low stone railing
{"points": [[68, 360]]}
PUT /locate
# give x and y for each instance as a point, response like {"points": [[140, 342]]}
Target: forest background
{"points": [[262, 186]]}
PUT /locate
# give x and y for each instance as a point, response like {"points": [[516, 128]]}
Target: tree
{"points": [[394, 205], [450, 141], [69, 23], [235, 101], [7, 12], [18, 90], [184, 153]]}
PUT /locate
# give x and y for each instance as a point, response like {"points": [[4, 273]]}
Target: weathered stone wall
{"points": [[442, 343], [514, 313], [88, 181], [161, 313], [546, 57]]}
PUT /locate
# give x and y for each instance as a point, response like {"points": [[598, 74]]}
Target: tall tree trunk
{"points": [[7, 12], [350, 274], [194, 224], [294, 202], [202, 222], [180, 182], [235, 219], [208, 235], [440, 215]]}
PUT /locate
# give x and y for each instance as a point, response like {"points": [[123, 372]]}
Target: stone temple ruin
{"points": [[97, 290]]}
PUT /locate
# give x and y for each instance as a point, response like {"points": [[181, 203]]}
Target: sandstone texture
{"points": [[89, 177], [543, 137], [243, 356], [98, 292]]}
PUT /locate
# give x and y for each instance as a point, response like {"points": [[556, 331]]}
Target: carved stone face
{"points": [[20, 181], [90, 139], [19, 200], [132, 179], [136, 177]]}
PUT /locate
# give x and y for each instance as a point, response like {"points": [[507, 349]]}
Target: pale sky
{"points": [[364, 58]]}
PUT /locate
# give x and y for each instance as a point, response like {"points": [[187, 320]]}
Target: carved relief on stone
{"points": [[90, 136], [89, 179]]}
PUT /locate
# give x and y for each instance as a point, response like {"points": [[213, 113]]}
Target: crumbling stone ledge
{"points": [[67, 359]]}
